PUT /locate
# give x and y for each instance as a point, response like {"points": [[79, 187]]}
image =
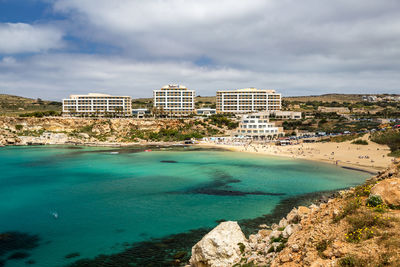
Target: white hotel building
{"points": [[97, 105], [248, 100], [257, 126], [175, 100]]}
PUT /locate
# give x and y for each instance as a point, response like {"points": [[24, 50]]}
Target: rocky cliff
{"points": [[102, 130], [360, 227]]}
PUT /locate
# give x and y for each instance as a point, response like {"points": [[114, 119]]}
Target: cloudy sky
{"points": [[52, 48]]}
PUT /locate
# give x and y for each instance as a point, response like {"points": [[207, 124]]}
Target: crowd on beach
{"points": [[371, 157]]}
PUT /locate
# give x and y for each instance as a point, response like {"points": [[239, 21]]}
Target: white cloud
{"points": [[25, 38], [57, 76], [297, 47], [252, 34], [8, 60]]}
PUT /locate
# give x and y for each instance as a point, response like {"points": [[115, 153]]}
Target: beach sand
{"points": [[372, 157]]}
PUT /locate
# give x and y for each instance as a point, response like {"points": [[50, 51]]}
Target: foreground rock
{"points": [[389, 191], [221, 247]]}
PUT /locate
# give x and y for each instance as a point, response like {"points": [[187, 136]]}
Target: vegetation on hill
{"points": [[41, 114], [360, 142], [391, 138], [222, 120], [15, 105], [344, 138], [327, 98], [142, 103]]}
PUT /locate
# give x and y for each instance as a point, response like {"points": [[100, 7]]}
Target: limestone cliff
{"points": [[104, 130]]}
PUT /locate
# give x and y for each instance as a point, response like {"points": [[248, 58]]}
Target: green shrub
{"points": [[360, 142], [322, 245], [390, 138], [350, 208], [363, 190], [344, 138], [221, 120], [41, 114], [351, 261], [242, 247], [395, 154], [374, 200], [19, 127]]}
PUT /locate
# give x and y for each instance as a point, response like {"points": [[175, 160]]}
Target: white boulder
{"points": [[219, 248]]}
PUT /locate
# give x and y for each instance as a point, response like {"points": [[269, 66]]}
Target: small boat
{"points": [[55, 215], [147, 150], [114, 153]]}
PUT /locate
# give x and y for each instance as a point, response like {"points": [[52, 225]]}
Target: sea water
{"points": [[94, 201]]}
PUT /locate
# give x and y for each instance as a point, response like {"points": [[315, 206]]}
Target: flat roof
{"points": [[250, 89]]}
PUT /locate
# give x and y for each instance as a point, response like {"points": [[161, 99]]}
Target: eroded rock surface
{"points": [[389, 191], [221, 247]]}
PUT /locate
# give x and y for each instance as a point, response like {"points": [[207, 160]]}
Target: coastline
{"points": [[371, 158]]}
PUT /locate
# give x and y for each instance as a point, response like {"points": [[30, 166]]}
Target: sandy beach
{"points": [[372, 157]]}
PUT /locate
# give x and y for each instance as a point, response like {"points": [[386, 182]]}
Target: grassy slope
{"points": [[14, 105]]}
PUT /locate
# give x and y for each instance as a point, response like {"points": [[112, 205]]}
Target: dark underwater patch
{"points": [[168, 161], [12, 241], [220, 186], [72, 255], [169, 251], [221, 192], [19, 255]]}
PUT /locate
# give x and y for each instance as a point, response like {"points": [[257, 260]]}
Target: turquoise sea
{"points": [[128, 204]]}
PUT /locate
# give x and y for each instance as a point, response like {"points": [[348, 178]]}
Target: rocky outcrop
{"points": [[221, 247], [389, 191], [94, 130], [265, 245], [318, 235], [8, 138]]}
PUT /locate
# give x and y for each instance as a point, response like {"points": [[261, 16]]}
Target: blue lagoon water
{"points": [[105, 201]]}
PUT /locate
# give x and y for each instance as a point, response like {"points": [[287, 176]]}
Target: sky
{"points": [[53, 48]]}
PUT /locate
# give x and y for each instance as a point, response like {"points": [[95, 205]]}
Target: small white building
{"points": [[140, 113], [206, 111], [257, 126], [279, 114]]}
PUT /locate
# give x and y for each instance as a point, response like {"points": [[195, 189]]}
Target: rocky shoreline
{"points": [[307, 236]]}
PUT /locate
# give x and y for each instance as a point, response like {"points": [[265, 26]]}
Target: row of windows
{"points": [[174, 105], [253, 121], [259, 131], [102, 97], [257, 126], [174, 94], [169, 89], [257, 102]]}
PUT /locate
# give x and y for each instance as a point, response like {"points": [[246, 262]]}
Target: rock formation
{"points": [[94, 130], [221, 247], [389, 191]]}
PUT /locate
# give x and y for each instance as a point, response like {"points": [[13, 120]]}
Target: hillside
{"points": [[14, 105], [201, 101]]}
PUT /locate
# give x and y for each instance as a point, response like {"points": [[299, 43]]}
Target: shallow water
{"points": [[104, 200]]}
